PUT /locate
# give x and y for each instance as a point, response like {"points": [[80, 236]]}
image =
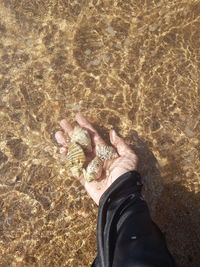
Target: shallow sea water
{"points": [[131, 65]]}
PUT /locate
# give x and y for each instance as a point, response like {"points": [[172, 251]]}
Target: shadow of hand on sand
{"points": [[149, 170], [178, 215], [172, 206]]}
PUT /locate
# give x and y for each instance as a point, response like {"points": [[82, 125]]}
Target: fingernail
{"points": [[114, 134], [63, 150]]}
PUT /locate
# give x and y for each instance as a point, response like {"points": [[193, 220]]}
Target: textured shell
{"points": [[76, 171], [106, 152], [75, 159], [94, 169], [82, 137], [75, 155]]}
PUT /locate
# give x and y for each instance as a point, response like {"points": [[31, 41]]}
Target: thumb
{"points": [[119, 144]]}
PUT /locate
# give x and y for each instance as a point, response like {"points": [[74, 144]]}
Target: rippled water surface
{"points": [[133, 65]]}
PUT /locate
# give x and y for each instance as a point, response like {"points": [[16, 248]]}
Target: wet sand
{"points": [[131, 65]]}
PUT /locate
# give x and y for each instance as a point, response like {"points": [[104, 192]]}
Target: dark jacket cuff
{"points": [[126, 236], [129, 186]]}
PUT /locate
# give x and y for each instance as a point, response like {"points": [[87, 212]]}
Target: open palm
{"points": [[112, 169]]}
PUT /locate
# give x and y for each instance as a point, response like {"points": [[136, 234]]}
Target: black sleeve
{"points": [[126, 235]]}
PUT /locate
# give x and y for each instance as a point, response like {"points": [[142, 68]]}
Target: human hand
{"points": [[112, 169]]}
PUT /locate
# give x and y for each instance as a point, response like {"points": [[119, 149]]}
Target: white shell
{"points": [[94, 169], [82, 137], [106, 152]]}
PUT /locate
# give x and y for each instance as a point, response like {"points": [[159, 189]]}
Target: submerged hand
{"points": [[112, 169]]}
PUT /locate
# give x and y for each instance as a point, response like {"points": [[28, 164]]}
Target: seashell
{"points": [[82, 137], [93, 170], [76, 171], [106, 152], [75, 154], [75, 158]]}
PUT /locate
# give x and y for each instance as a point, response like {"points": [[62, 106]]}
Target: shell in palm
{"points": [[106, 152], [94, 169], [76, 171], [82, 137], [75, 159]]}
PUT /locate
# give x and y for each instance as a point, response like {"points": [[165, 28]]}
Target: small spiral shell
{"points": [[94, 169], [82, 137]]}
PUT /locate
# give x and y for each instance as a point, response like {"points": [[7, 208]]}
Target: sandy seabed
{"points": [[131, 65]]}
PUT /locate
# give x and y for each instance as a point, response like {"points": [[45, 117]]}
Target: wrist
{"points": [[127, 182]]}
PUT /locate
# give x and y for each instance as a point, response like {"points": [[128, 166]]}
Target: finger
{"points": [[67, 127], [82, 180], [63, 150], [122, 148], [83, 122], [61, 138]]}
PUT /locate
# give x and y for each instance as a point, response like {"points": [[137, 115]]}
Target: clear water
{"points": [[131, 65]]}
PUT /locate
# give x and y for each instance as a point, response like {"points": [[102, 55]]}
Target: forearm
{"points": [[126, 235]]}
